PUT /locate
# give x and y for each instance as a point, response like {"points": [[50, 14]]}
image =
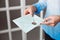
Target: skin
{"points": [[30, 10], [51, 20]]}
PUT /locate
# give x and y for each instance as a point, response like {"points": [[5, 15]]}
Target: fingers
{"points": [[26, 12], [47, 19], [51, 20], [46, 22], [49, 23], [31, 13], [30, 10]]}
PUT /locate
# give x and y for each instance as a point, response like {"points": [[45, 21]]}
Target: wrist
{"points": [[34, 8], [59, 18]]}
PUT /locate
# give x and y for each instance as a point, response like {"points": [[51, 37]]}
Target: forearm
{"points": [[33, 8], [59, 18], [40, 6]]}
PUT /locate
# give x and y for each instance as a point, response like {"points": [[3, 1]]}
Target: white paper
{"points": [[25, 22]]}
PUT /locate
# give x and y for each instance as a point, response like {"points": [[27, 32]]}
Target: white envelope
{"points": [[25, 22]]}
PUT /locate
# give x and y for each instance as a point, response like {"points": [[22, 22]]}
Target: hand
{"points": [[30, 10], [51, 20]]}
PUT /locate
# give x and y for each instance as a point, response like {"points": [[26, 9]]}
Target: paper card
{"points": [[25, 22]]}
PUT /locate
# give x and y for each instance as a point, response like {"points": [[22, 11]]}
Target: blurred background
{"points": [[12, 9]]}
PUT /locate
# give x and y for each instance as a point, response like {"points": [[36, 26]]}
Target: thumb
{"points": [[47, 19], [31, 13]]}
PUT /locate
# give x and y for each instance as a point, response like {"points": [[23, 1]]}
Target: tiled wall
{"points": [[12, 9]]}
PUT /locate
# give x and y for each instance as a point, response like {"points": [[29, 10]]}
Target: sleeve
{"points": [[40, 5]]}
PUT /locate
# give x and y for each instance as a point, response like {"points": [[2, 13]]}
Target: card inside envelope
{"points": [[25, 22]]}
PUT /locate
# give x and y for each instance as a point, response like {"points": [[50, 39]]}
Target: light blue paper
{"points": [[25, 22]]}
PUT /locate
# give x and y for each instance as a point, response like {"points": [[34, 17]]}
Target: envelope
{"points": [[25, 22]]}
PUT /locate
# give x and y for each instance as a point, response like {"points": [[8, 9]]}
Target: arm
{"points": [[52, 20], [40, 6], [36, 8], [59, 18]]}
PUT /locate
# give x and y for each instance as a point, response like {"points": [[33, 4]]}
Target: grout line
{"points": [[3, 31], [12, 30], [15, 29], [41, 31], [8, 20], [24, 35], [3, 9], [12, 8]]}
